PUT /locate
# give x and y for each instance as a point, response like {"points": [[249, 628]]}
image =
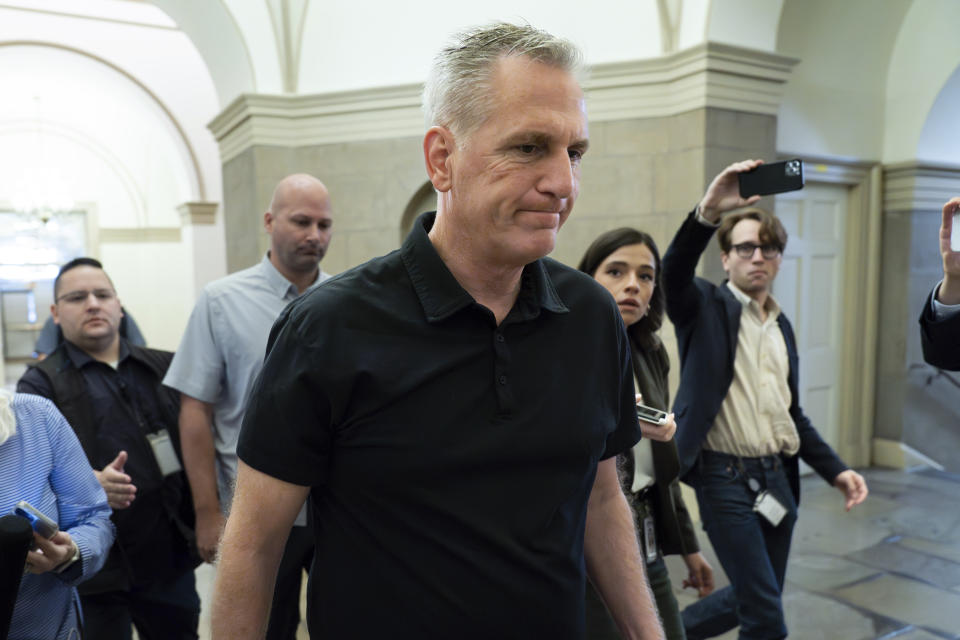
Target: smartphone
{"points": [[776, 177], [40, 523], [649, 414]]}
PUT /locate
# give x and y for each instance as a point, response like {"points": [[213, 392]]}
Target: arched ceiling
{"points": [[71, 114], [101, 53], [238, 62], [925, 57]]}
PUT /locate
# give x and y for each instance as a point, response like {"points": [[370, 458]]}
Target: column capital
{"points": [[919, 186], [197, 213]]}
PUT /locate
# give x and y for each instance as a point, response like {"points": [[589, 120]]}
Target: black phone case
{"points": [[776, 177]]}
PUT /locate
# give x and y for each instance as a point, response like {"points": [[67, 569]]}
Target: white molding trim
{"points": [[708, 75], [919, 186], [197, 213], [898, 455], [169, 25], [133, 235]]}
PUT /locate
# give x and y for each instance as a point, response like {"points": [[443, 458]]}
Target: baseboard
{"points": [[898, 455]]}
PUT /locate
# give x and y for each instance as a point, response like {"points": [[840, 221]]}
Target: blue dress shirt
{"points": [[44, 464]]}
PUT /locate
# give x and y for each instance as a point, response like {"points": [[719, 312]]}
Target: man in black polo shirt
{"points": [[110, 393], [454, 408]]}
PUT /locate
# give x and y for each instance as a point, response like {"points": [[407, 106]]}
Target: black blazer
{"points": [[940, 339], [707, 322]]}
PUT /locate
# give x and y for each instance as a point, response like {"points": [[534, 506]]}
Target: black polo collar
{"points": [[81, 358], [441, 295]]}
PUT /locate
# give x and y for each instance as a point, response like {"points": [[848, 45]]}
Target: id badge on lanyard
{"points": [[163, 452], [649, 539], [767, 504]]}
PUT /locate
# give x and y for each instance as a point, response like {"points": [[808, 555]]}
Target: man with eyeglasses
{"points": [[740, 428], [111, 394]]}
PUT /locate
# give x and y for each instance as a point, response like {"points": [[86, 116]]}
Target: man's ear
{"points": [[268, 222], [53, 314], [723, 261], [438, 150]]}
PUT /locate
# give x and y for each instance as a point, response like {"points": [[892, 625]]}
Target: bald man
{"points": [[220, 356]]}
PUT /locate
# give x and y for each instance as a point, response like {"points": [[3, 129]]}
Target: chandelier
{"points": [[40, 194]]}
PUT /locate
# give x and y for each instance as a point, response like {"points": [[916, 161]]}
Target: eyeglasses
{"points": [[79, 297], [745, 250]]}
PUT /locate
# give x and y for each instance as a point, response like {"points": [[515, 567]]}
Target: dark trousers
{"points": [[163, 610], [285, 610], [752, 551], [600, 625]]}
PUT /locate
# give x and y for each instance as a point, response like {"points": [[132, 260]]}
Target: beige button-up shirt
{"points": [[754, 419]]}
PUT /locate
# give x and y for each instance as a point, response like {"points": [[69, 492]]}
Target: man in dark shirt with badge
{"points": [[110, 393], [453, 409]]}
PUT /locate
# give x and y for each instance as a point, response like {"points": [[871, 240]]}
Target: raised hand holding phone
{"points": [[768, 179], [723, 194]]}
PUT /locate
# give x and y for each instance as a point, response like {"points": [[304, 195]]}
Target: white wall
{"points": [[833, 104], [101, 133], [746, 23], [926, 54], [370, 43], [872, 81], [154, 285], [940, 137], [145, 46]]}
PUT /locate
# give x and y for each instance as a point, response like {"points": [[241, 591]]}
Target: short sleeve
{"points": [[198, 365], [287, 430]]}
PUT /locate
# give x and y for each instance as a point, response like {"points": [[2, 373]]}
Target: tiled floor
{"points": [[888, 569]]}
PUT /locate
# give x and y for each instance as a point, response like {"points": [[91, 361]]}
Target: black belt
{"points": [[766, 462]]}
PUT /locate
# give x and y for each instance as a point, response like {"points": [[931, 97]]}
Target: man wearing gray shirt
{"points": [[221, 354]]}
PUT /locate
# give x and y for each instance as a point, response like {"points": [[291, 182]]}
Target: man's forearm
{"points": [[616, 568], [264, 509], [199, 460], [243, 589]]}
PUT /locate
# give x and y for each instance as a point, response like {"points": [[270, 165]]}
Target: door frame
{"points": [[861, 300]]}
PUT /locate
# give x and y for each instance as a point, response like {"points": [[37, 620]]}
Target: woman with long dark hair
{"points": [[627, 263]]}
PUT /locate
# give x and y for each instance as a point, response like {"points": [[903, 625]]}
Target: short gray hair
{"points": [[457, 92]]}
